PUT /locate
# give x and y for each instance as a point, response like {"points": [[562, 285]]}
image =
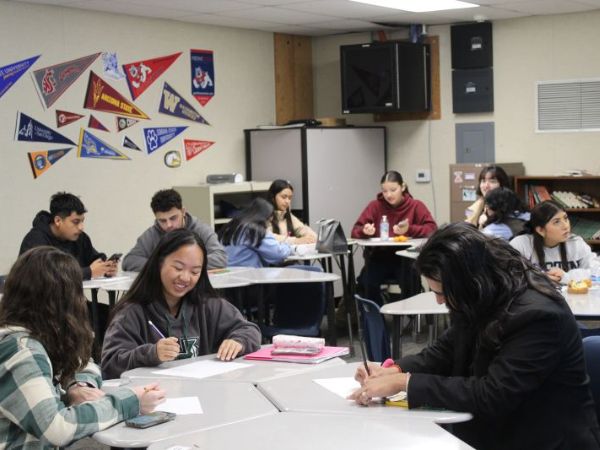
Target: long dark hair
{"points": [[44, 293], [393, 176], [541, 214], [249, 226], [480, 276], [276, 187], [505, 203], [148, 288], [498, 173]]}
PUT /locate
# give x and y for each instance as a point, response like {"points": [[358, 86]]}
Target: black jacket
{"points": [[82, 249], [532, 392]]}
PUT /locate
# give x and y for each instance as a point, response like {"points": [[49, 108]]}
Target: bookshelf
{"points": [[583, 218]]}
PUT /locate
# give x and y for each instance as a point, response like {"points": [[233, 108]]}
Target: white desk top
{"points": [[274, 275], [121, 279], [302, 431], [222, 404], [584, 305], [284, 393], [257, 371], [377, 242]]}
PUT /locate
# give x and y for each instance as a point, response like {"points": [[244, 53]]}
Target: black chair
{"points": [[374, 332], [298, 308], [591, 350]]}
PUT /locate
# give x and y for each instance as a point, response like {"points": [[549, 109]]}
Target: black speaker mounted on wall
{"points": [[472, 46], [472, 90]]}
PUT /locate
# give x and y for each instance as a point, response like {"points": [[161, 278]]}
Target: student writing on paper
{"points": [[512, 356], [406, 216], [188, 318], [550, 244], [170, 214], [284, 225], [49, 393]]}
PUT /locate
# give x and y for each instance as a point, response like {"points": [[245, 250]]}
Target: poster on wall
{"points": [[173, 104], [95, 123], [101, 96], [52, 81], [110, 63], [141, 74], [92, 147], [11, 73], [30, 130], [125, 122], [159, 136], [128, 143], [65, 118], [41, 161], [203, 75], [194, 148]]}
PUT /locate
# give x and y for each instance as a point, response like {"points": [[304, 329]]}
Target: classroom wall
{"points": [[526, 50], [117, 193]]}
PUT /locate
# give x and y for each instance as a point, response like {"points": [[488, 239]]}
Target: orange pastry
{"points": [[400, 238], [577, 287]]}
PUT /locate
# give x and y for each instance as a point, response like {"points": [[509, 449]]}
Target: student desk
{"points": [[258, 371], [299, 393], [222, 404], [302, 431]]}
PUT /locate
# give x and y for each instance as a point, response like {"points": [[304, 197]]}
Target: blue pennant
{"points": [[31, 130], [11, 73], [92, 147], [157, 137]]}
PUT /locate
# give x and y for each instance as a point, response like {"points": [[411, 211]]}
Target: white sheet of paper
{"points": [[342, 386], [202, 369], [181, 405]]}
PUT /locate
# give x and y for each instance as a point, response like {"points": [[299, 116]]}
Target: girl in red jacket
{"points": [[406, 216]]}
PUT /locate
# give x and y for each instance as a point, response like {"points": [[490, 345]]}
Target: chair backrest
{"points": [[591, 350], [374, 333]]}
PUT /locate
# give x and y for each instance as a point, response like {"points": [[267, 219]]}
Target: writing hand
{"points": [[149, 396], [228, 350], [376, 371], [167, 349], [382, 386], [369, 229]]}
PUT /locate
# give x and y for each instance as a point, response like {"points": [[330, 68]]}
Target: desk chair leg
{"points": [[331, 331]]}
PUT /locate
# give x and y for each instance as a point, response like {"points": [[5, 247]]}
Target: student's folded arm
{"points": [[124, 346], [522, 365], [273, 252], [49, 420]]}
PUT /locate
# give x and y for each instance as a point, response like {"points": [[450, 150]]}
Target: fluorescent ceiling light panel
{"points": [[419, 5]]}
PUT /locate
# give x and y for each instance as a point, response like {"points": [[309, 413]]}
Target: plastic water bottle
{"points": [[384, 229], [595, 272]]}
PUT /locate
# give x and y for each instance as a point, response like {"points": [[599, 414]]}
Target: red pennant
{"points": [[141, 74], [194, 148], [103, 97], [95, 123], [65, 118]]}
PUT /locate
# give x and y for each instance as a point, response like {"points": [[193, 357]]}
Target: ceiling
{"points": [[318, 17]]}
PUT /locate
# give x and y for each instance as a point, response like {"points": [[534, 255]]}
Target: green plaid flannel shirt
{"points": [[32, 413]]}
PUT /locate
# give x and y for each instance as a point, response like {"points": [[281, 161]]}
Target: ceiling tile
{"points": [[279, 15]]}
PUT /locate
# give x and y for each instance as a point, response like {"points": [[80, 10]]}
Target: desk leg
{"points": [[397, 337], [331, 314], [260, 305], [112, 299], [347, 302]]}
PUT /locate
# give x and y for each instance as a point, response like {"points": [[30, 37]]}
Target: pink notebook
{"points": [[264, 354]]}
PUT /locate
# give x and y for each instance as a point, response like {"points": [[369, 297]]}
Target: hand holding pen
{"points": [[167, 348], [369, 229]]}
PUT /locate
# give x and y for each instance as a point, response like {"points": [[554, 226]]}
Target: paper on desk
{"points": [[202, 369], [181, 405], [342, 386], [179, 447]]}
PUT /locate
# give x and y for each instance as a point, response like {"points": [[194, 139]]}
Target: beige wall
{"points": [[525, 51], [117, 193]]}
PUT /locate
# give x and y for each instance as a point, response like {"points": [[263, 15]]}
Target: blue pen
{"points": [[156, 330]]}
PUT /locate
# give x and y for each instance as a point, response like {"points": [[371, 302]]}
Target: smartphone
{"points": [[149, 420], [115, 257]]}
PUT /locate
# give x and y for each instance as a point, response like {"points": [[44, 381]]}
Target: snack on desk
{"points": [[400, 238], [578, 287]]}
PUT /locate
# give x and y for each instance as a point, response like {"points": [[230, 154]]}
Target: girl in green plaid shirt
{"points": [[49, 394]]}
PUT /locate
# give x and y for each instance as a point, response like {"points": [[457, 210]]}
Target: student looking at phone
{"points": [[406, 216], [62, 227], [172, 312], [49, 393], [170, 215]]}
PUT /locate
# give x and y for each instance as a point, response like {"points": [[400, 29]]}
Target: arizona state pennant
{"points": [[103, 97]]}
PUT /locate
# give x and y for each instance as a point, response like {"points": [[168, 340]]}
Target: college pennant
{"points": [[141, 74], [194, 148], [172, 104], [65, 117], [41, 161], [30, 130], [11, 73], [203, 75], [92, 147], [157, 137], [95, 123], [125, 122], [101, 96], [52, 81], [128, 143]]}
